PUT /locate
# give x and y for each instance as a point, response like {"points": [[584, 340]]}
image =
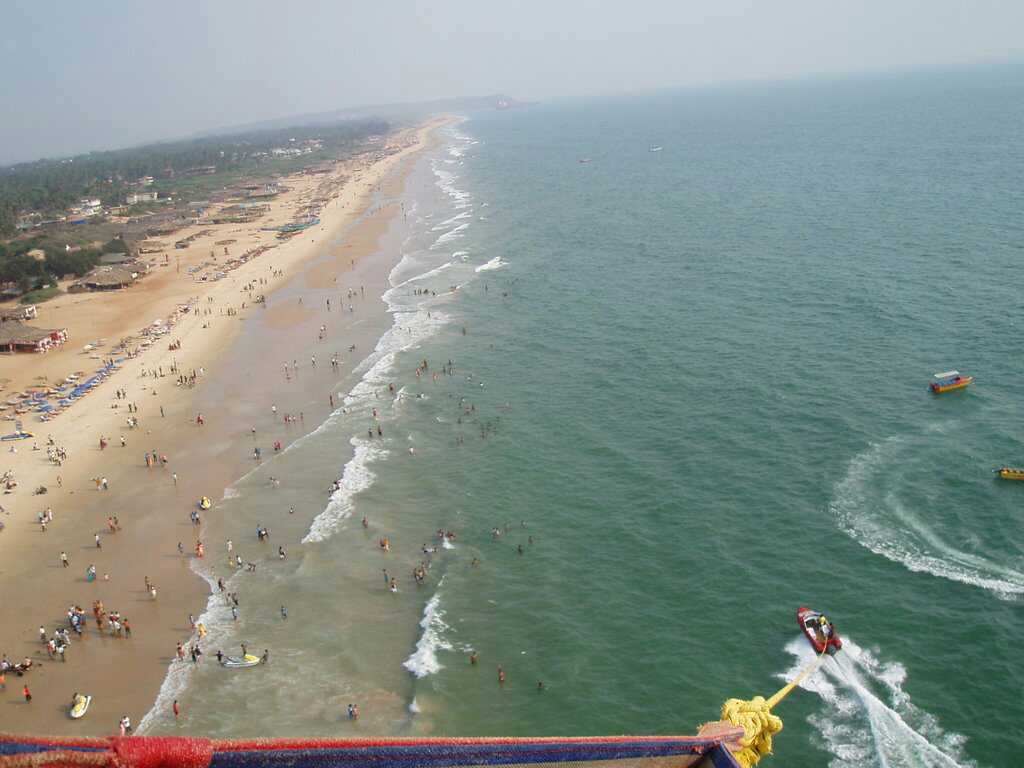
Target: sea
{"points": [[659, 364]]}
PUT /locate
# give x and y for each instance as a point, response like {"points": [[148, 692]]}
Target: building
{"points": [[15, 336], [88, 206], [23, 312], [116, 258], [140, 197], [106, 278]]}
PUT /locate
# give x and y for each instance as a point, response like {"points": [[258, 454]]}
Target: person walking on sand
{"points": [[175, 709], [64, 559], [26, 693]]}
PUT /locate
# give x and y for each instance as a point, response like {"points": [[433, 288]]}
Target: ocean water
{"points": [[688, 392]]}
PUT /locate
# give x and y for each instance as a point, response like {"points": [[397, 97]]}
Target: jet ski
{"points": [[236, 662], [822, 636], [79, 706]]}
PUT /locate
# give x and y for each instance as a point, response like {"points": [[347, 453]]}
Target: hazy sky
{"points": [[101, 74]]}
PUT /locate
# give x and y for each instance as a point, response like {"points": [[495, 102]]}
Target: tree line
{"points": [[50, 187], [29, 273]]}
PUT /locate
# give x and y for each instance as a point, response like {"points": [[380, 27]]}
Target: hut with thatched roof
{"points": [[16, 336]]}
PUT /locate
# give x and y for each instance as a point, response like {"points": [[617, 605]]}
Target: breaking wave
{"points": [[495, 263]]}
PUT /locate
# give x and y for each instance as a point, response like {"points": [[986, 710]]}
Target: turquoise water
{"points": [[697, 378]]}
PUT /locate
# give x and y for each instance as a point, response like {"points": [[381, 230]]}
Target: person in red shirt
{"points": [[26, 693], [174, 706]]}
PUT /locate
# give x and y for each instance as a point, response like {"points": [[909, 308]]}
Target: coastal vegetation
{"points": [[31, 264], [48, 188]]}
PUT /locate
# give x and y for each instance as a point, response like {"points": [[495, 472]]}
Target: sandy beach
{"points": [[242, 393]]}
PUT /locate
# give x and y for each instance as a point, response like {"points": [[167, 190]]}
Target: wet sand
{"points": [[243, 357]]}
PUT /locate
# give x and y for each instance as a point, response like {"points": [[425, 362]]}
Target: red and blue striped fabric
{"points": [[159, 752]]}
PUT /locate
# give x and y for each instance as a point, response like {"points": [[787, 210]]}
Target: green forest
{"points": [[28, 273], [51, 186]]}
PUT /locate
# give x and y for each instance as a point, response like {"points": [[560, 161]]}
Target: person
{"points": [[473, 658], [220, 656], [26, 693], [823, 630], [284, 612], [175, 709], [64, 559], [265, 658], [501, 676]]}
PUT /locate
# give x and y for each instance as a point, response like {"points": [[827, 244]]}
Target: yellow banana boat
{"points": [[1010, 473]]}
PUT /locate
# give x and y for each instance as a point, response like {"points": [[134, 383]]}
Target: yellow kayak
{"points": [[1010, 473]]}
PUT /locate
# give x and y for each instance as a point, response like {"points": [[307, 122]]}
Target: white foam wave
{"points": [[447, 237], [355, 478], [868, 719], [495, 263], [231, 493], [461, 255], [217, 620], [430, 273], [869, 510], [423, 660], [448, 222]]}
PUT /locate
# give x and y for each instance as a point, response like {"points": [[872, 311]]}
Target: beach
{"points": [[152, 503]]}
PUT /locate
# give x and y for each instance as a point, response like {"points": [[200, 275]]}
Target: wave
{"points": [[448, 222], [423, 660], [355, 478], [869, 720], [495, 263], [453, 234], [869, 510], [461, 255], [430, 273], [217, 619]]}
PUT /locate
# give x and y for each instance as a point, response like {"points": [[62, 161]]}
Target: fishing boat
{"points": [[1010, 473], [79, 706], [819, 631], [949, 381], [236, 662]]}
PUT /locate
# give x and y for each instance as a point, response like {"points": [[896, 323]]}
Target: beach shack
{"points": [[16, 336], [106, 278]]}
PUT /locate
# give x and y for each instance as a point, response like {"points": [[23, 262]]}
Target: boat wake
{"points": [[868, 719], [868, 507]]}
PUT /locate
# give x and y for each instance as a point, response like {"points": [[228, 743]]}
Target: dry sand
{"points": [[123, 675]]}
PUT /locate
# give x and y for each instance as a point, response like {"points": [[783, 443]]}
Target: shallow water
{"points": [[696, 378]]}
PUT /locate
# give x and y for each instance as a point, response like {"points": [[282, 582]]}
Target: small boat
{"points": [[234, 662], [79, 706], [656, 148], [584, 160], [949, 381], [1010, 473], [19, 435], [821, 635], [204, 503]]}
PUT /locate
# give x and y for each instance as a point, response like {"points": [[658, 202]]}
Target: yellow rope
{"points": [[757, 721]]}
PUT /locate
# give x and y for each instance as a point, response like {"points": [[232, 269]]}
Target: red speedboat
{"points": [[819, 631]]}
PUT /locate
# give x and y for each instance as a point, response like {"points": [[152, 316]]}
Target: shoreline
{"points": [[158, 625]]}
